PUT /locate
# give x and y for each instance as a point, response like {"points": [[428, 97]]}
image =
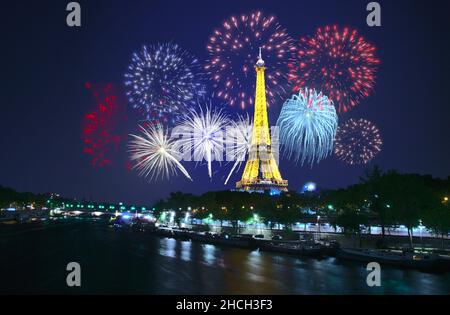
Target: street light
{"points": [[255, 221], [421, 240], [172, 217], [318, 224]]}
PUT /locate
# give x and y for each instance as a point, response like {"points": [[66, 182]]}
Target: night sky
{"points": [[46, 64]]}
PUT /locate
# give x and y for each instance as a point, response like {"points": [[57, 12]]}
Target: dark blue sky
{"points": [[46, 63]]}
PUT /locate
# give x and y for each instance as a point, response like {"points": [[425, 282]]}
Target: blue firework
{"points": [[308, 124]]}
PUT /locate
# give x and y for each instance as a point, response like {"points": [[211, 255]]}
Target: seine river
{"points": [[33, 259]]}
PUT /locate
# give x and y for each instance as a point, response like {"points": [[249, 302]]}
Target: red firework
{"points": [[100, 133], [338, 62]]}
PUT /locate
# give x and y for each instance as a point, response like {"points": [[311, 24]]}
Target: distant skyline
{"points": [[47, 64]]}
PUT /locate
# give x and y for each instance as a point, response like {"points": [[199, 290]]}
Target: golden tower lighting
{"points": [[261, 171]]}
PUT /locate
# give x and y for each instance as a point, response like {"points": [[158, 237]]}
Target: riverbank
{"points": [[346, 240]]}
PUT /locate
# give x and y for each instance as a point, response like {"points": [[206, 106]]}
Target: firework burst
{"points": [[101, 133], [233, 50], [308, 123], [203, 133], [339, 62], [357, 142], [162, 81], [154, 155], [238, 141]]}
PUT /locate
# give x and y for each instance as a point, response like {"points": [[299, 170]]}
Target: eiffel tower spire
{"points": [[261, 171]]}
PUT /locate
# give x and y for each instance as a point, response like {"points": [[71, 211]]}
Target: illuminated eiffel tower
{"points": [[261, 171]]}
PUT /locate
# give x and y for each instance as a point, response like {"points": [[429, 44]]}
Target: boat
{"points": [[164, 232], [181, 234], [403, 259], [241, 241], [330, 247], [293, 248]]}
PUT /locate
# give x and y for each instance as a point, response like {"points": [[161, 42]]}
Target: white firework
{"points": [[154, 153], [163, 79], [308, 124], [202, 132], [357, 142], [238, 142]]}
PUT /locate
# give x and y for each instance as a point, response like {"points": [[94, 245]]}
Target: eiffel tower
{"points": [[261, 171]]}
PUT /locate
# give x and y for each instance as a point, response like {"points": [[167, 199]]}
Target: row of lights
{"points": [[103, 207]]}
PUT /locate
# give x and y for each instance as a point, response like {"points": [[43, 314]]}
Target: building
{"points": [[261, 171]]}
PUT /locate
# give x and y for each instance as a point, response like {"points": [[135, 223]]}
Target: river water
{"points": [[116, 261]]}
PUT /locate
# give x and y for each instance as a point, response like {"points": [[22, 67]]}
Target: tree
{"points": [[236, 214], [437, 217], [351, 219], [372, 181], [408, 197], [351, 215]]}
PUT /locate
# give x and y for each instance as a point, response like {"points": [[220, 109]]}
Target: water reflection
{"points": [[222, 270], [167, 247], [186, 250], [167, 266], [209, 254]]}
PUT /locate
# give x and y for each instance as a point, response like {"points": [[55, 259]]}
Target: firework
{"points": [[357, 142], [154, 155], [308, 123], [163, 80], [100, 132], [238, 141], [203, 133], [233, 50], [339, 62]]}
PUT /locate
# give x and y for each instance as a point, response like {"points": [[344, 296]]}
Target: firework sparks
{"points": [[357, 142], [202, 132], [308, 123], [163, 80], [100, 131], [154, 155], [233, 50], [339, 62], [238, 142]]}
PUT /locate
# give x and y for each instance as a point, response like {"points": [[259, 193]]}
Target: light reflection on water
{"points": [[209, 254], [186, 251], [167, 247]]}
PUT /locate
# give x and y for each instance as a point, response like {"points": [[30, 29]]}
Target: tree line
{"points": [[385, 199], [10, 197]]}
